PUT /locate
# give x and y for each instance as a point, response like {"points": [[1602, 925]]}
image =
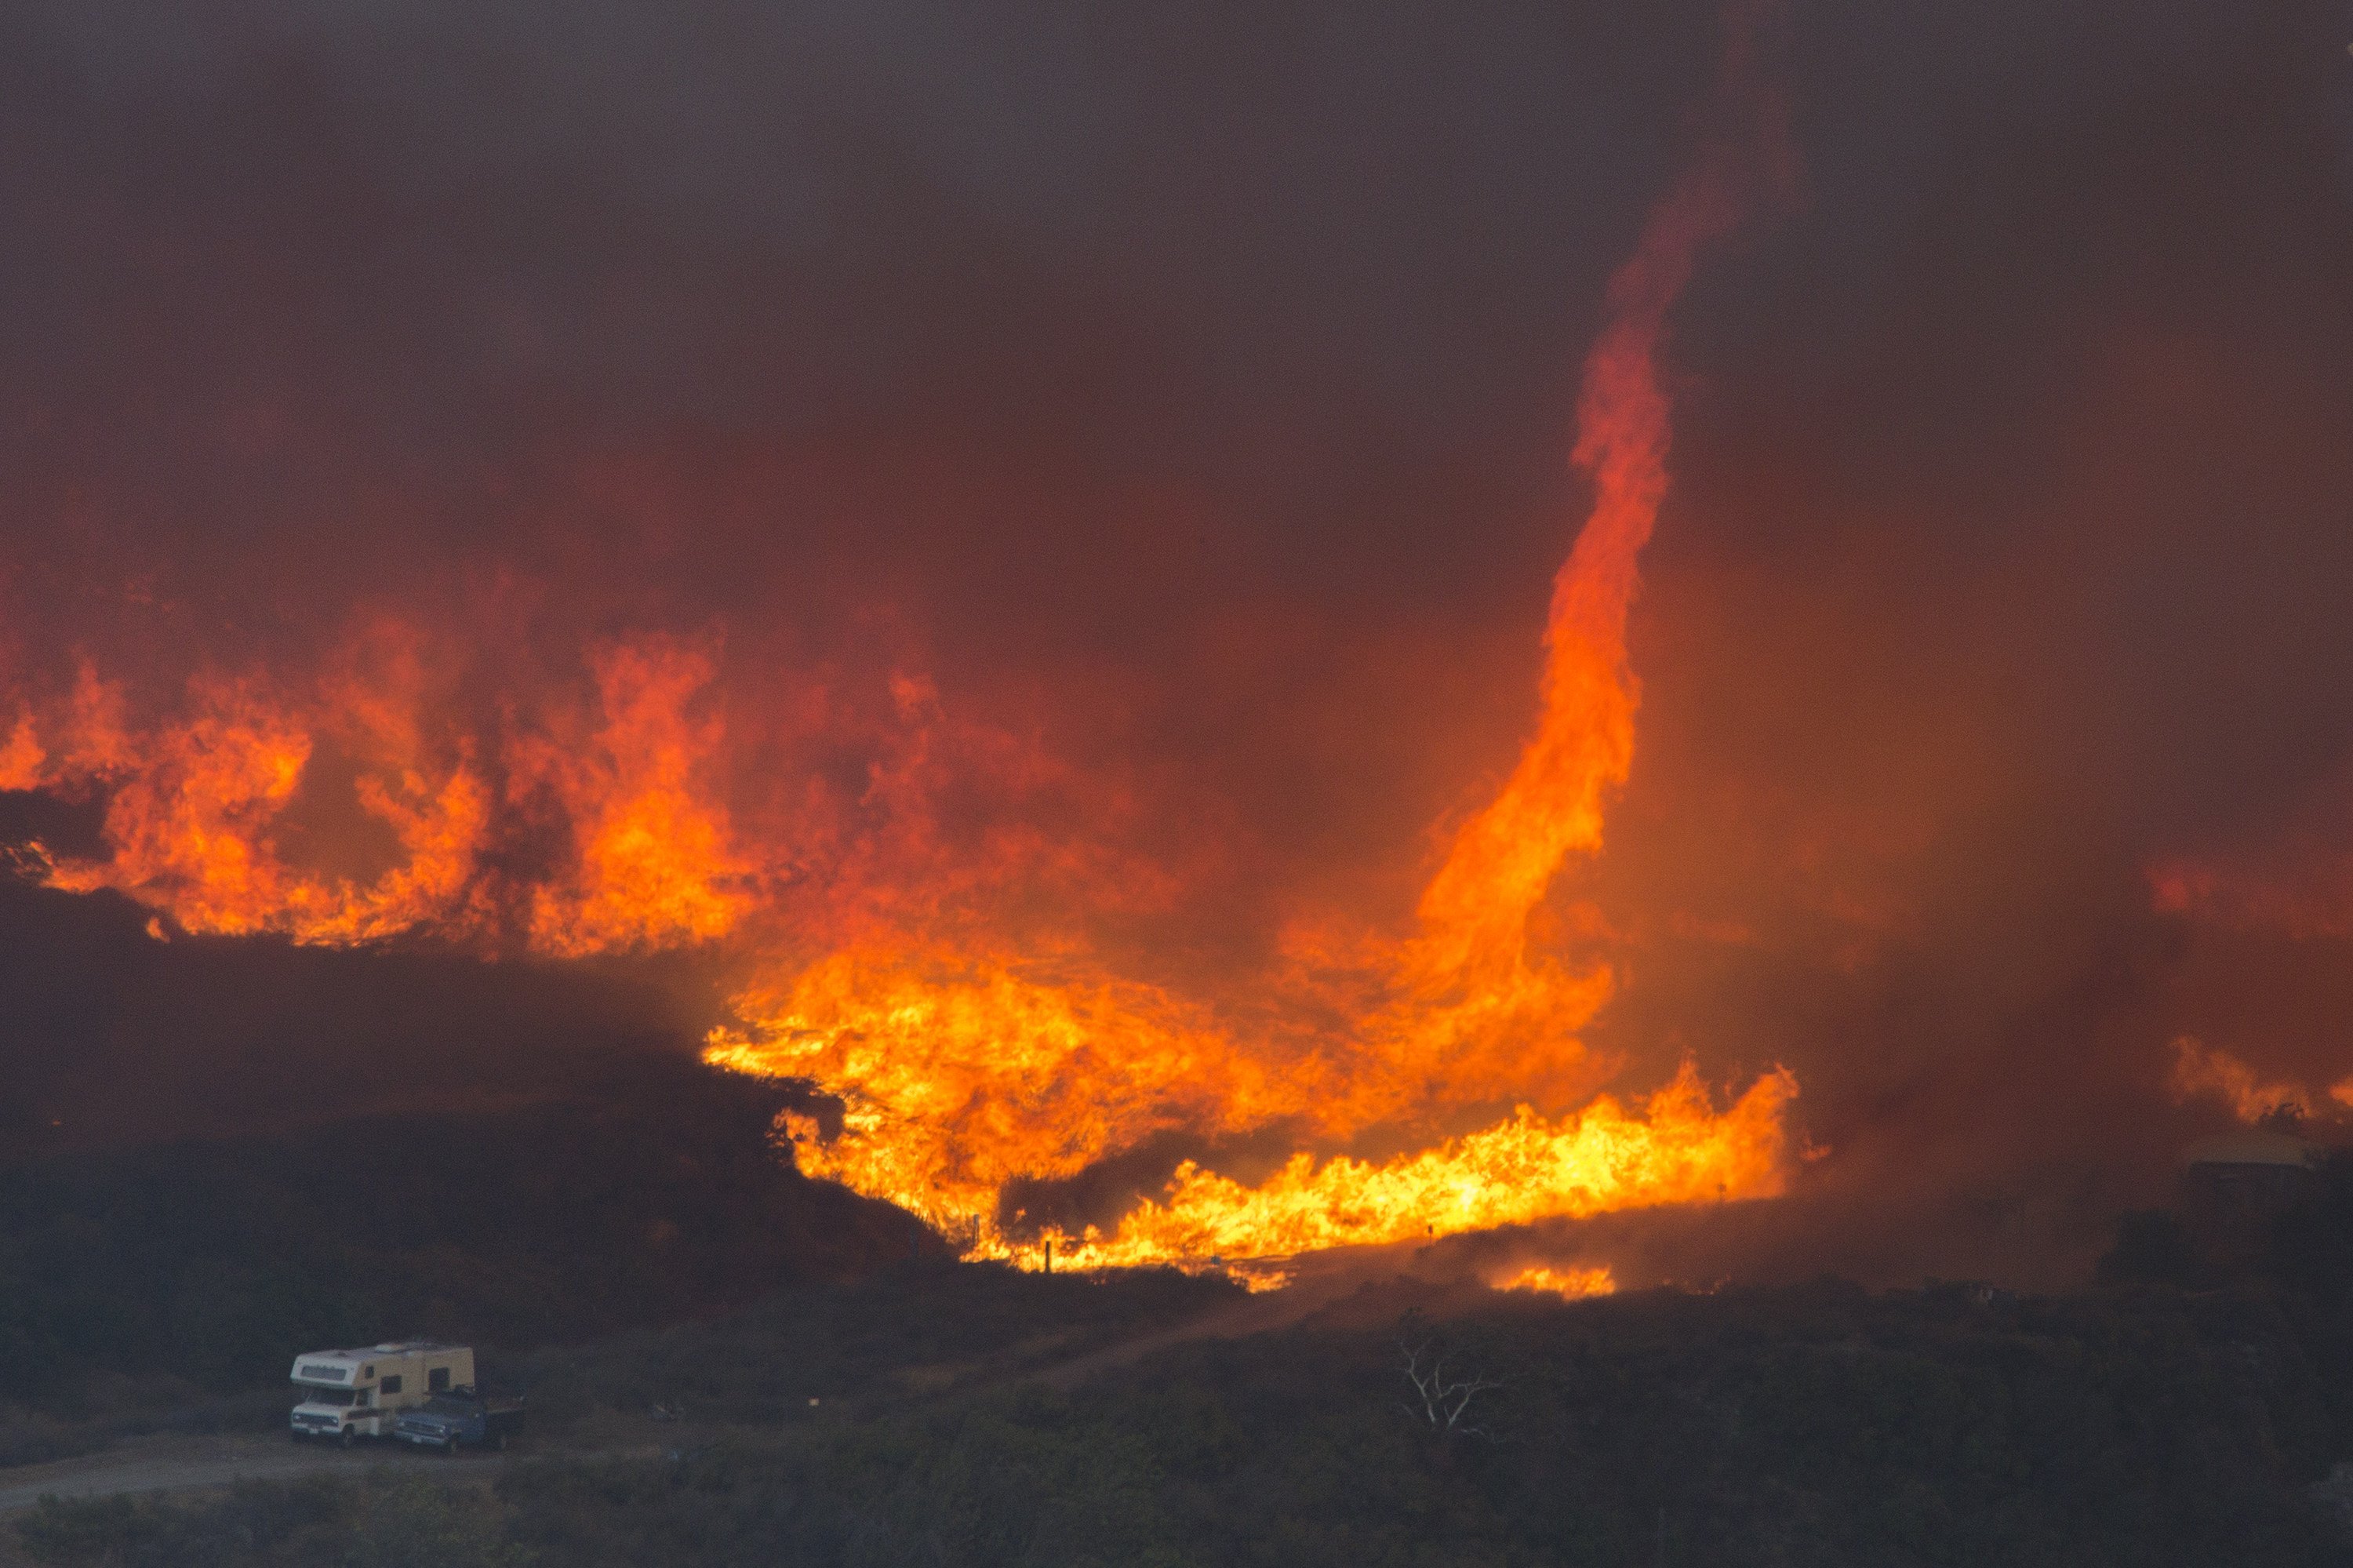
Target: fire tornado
{"points": [[965, 1066]]}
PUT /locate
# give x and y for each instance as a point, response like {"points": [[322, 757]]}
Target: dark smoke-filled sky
{"points": [[1181, 397]]}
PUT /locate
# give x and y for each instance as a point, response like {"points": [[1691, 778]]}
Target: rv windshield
{"points": [[328, 1395]]}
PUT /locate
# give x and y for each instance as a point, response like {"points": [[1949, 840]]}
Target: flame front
{"points": [[1525, 1169], [1572, 1284]]}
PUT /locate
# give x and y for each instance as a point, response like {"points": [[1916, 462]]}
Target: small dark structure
{"points": [[2235, 1186]]}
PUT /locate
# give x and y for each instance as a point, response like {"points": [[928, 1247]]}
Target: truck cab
{"points": [[462, 1418], [345, 1395]]}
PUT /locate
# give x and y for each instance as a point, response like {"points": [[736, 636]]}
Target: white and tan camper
{"points": [[349, 1394]]}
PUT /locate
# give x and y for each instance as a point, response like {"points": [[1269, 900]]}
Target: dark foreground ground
{"points": [[2139, 1423]]}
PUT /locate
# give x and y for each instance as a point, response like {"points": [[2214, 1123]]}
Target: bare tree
{"points": [[1443, 1388]]}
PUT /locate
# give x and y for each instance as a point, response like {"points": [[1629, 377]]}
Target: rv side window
{"points": [[391, 1385], [436, 1379]]}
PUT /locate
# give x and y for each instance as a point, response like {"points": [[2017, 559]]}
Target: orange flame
{"points": [[1475, 912], [2200, 1071], [656, 865], [1573, 1283], [21, 758], [958, 1076], [201, 807], [191, 829], [1516, 1172]]}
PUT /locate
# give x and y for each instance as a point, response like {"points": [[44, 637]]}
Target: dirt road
{"points": [[173, 1464]]}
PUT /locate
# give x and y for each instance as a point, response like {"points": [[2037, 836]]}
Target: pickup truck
{"points": [[461, 1419]]}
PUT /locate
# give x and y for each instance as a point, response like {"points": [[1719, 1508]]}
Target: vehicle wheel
{"points": [[450, 1447], [500, 1442], [350, 1436]]}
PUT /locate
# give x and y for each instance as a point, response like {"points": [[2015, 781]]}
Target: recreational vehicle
{"points": [[349, 1394]]}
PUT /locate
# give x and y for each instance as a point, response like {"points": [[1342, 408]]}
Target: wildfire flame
{"points": [[1573, 1283], [966, 1053], [200, 806], [2200, 1071], [962, 1070]]}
